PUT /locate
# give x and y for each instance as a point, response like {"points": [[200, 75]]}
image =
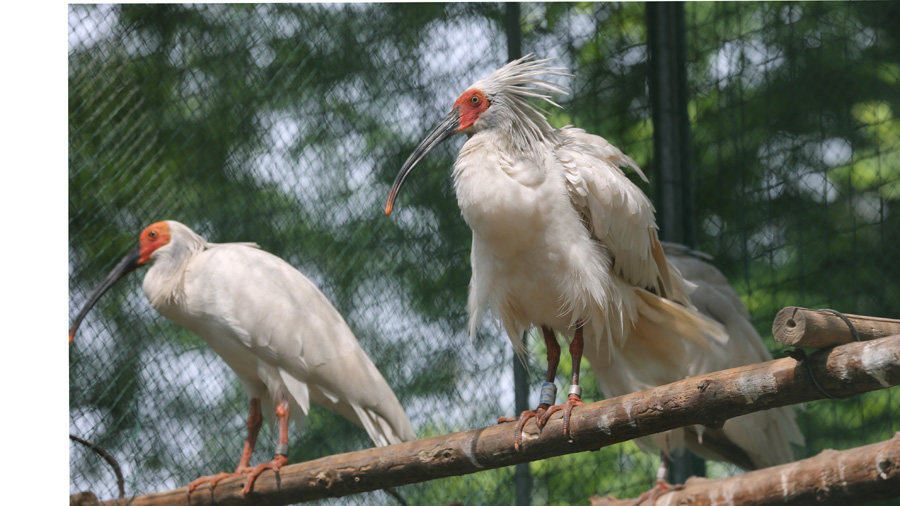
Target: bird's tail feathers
{"points": [[382, 417], [385, 428], [661, 342], [659, 315]]}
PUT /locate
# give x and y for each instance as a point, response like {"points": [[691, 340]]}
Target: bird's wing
{"points": [[479, 286], [617, 212]]}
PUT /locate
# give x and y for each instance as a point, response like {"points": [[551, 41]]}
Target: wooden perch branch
{"points": [[709, 399], [821, 328], [855, 476]]}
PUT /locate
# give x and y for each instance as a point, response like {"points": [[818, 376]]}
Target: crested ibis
{"points": [[282, 337], [752, 441], [563, 241]]}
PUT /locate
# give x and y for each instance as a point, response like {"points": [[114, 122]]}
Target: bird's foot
{"points": [[215, 478], [571, 402], [522, 419], [661, 487], [275, 464]]}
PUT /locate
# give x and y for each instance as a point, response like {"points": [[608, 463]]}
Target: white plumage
{"points": [[270, 324], [763, 438], [564, 241]]}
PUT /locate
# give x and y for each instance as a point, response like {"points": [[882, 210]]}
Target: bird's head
{"points": [[500, 101], [154, 239]]}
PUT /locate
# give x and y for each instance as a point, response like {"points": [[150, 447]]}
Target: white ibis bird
{"points": [[564, 241], [284, 340], [752, 441]]}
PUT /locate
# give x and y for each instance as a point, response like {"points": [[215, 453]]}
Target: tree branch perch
{"points": [[864, 474], [708, 400]]}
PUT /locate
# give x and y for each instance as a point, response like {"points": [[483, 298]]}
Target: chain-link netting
{"points": [[285, 126]]}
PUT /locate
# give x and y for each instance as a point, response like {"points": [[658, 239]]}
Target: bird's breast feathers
{"points": [[509, 199]]}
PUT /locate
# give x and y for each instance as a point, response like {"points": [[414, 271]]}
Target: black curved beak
{"points": [[445, 129], [126, 265]]}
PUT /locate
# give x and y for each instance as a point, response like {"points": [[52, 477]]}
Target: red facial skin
{"points": [[470, 104], [152, 238]]}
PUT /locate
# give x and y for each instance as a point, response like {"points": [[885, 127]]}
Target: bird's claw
{"points": [[542, 415], [539, 415], [275, 464], [566, 408], [522, 419], [214, 479]]}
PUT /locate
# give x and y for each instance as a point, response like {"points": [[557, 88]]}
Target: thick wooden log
{"points": [[709, 400], [821, 328], [856, 476]]}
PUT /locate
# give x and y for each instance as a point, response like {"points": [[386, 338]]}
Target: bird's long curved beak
{"points": [[445, 129], [126, 265]]}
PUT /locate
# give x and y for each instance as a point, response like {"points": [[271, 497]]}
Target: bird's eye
{"points": [[152, 234], [474, 100]]}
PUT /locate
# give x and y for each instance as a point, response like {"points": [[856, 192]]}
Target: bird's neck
{"points": [[517, 127], [513, 141], [164, 282]]}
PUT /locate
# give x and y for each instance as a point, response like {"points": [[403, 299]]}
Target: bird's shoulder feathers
{"points": [[616, 211]]}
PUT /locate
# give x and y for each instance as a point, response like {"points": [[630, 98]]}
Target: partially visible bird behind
{"points": [[564, 241], [752, 441], [281, 336]]}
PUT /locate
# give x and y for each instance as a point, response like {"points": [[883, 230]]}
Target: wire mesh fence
{"points": [[285, 125]]}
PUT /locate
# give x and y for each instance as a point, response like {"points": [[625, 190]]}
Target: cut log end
{"points": [[822, 328]]}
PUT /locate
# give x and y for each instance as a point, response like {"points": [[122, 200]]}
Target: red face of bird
{"points": [[466, 110], [152, 238]]}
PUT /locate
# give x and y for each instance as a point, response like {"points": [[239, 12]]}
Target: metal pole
{"points": [[671, 143], [671, 125]]}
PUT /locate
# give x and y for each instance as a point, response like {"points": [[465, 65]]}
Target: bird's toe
{"points": [[212, 480], [253, 472]]}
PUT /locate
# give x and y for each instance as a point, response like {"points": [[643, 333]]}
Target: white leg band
{"points": [[575, 390]]}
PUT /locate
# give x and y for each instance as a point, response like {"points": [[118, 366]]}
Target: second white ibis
{"points": [[284, 340], [755, 440]]}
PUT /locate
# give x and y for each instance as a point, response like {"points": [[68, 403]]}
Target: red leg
{"points": [[254, 423], [552, 364], [576, 348], [282, 411]]}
